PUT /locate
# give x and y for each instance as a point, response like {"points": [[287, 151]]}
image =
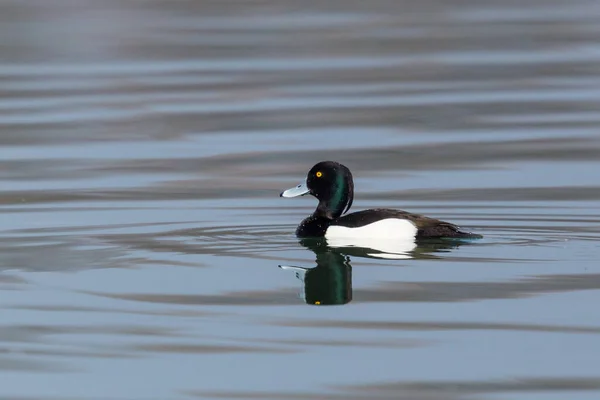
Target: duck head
{"points": [[331, 183]]}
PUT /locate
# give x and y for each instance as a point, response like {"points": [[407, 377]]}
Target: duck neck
{"points": [[313, 226], [336, 201], [326, 210]]}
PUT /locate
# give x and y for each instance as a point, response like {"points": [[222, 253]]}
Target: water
{"points": [[145, 253]]}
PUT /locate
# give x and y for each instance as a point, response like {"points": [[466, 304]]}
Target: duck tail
{"points": [[467, 235], [446, 230]]}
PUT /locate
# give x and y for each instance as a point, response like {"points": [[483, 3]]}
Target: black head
{"points": [[332, 184]]}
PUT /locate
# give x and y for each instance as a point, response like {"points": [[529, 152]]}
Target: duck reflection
{"points": [[330, 282]]}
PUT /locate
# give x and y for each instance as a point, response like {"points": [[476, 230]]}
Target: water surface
{"points": [[143, 148]]}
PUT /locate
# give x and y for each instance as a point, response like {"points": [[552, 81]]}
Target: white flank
{"points": [[394, 237], [390, 228]]}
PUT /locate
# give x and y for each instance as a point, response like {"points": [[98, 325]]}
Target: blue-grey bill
{"points": [[299, 190]]}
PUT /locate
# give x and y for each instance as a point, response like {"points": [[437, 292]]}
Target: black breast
{"points": [[313, 227]]}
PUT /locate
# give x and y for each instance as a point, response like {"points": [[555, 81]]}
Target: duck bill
{"points": [[296, 191]]}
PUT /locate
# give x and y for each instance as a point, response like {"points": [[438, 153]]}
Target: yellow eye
{"points": [[319, 174]]}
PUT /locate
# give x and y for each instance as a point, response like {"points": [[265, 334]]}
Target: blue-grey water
{"points": [[143, 146]]}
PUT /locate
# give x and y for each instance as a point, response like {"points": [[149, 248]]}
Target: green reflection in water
{"points": [[330, 282]]}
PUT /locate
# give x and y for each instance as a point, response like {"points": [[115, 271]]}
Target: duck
{"points": [[331, 183]]}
